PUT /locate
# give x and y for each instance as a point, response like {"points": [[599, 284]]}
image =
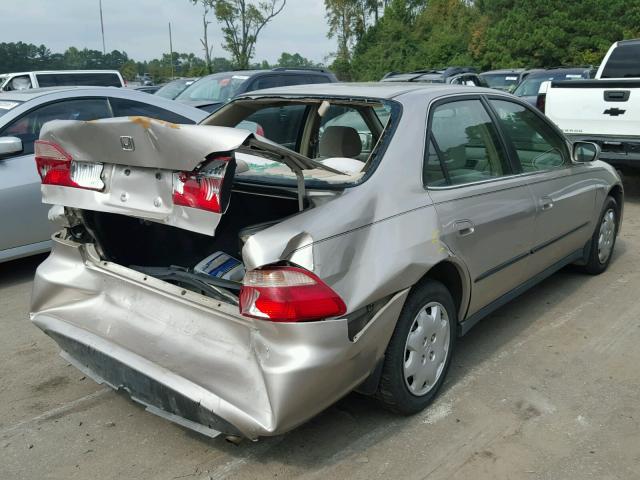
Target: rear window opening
{"points": [[345, 135]]}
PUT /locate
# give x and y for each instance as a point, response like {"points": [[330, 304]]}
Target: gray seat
{"points": [[340, 142]]}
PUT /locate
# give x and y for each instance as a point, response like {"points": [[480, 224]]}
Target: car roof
{"points": [[559, 71], [42, 95], [278, 70], [61, 71], [503, 71], [383, 90], [30, 93]]}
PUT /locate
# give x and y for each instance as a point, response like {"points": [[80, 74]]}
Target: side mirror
{"points": [[585, 152], [9, 146]]}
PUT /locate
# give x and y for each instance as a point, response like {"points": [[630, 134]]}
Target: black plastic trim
{"points": [[467, 324]]}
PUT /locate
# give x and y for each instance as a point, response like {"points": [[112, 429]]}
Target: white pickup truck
{"points": [[605, 110]]}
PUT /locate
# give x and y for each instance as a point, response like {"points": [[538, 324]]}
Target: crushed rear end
{"points": [[114, 295]]}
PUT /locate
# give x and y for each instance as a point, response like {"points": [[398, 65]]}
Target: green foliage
{"points": [[415, 34], [242, 21], [292, 60]]}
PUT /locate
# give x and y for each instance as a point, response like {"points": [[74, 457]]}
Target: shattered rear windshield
{"points": [[341, 135]]}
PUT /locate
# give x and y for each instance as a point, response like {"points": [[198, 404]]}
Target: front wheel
{"points": [[604, 238], [420, 349]]}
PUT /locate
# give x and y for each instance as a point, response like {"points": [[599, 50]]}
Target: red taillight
{"points": [[288, 294], [206, 188], [56, 167]]}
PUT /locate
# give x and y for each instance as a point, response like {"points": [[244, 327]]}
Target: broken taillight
{"points": [[288, 294], [56, 167], [207, 188]]}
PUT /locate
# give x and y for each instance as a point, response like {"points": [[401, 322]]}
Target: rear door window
{"points": [[130, 108], [624, 62], [465, 142], [27, 127], [537, 145]]}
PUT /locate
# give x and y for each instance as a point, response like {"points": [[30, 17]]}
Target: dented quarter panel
{"points": [[263, 378]]}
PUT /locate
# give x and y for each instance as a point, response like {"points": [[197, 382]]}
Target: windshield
{"points": [[5, 106], [342, 135], [217, 88], [501, 81], [531, 86], [172, 89]]}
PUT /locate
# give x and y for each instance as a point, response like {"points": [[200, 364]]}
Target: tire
{"points": [[424, 346], [603, 240]]}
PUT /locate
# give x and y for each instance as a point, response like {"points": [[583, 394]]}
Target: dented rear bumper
{"points": [[195, 360]]}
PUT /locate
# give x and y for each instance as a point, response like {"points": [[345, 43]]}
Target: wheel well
{"points": [[616, 193], [448, 274]]}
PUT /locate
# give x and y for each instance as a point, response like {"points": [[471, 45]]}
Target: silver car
{"points": [[24, 229], [241, 283]]}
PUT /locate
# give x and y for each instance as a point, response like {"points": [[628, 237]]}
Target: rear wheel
{"points": [[420, 350], [604, 238]]}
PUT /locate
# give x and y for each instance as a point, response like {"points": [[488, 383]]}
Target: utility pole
{"points": [[171, 51], [104, 49]]}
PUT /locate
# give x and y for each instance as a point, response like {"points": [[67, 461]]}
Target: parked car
{"points": [[211, 92], [24, 228], [251, 282], [605, 110], [60, 78], [453, 75], [151, 89], [175, 87], [508, 79], [530, 87]]}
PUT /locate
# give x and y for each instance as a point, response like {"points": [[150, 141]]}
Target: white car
{"points": [[60, 78]]}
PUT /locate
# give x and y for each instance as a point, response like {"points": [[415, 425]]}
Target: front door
{"points": [[564, 193], [485, 212]]}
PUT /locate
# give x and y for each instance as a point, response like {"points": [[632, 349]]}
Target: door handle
{"points": [[547, 203], [464, 227]]}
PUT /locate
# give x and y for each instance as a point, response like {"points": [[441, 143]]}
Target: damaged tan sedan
{"points": [[242, 275]]}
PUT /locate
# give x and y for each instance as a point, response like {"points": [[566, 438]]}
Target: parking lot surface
{"points": [[545, 388]]}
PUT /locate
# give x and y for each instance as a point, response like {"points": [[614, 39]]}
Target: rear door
{"points": [[564, 193], [485, 212], [23, 216]]}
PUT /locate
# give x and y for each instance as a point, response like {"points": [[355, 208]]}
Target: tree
{"points": [[295, 60], [207, 6], [242, 21]]}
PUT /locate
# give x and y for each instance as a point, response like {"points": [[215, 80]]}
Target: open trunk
{"points": [[182, 257], [159, 198]]}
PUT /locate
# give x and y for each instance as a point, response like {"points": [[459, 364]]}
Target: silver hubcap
{"points": [[607, 235], [425, 352]]}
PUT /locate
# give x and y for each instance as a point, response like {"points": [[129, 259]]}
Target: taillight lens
{"points": [[288, 294], [207, 188], [56, 167]]}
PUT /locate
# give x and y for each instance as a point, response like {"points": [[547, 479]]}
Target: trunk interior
{"points": [[133, 242]]}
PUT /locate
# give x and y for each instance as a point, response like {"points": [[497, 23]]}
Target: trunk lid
{"points": [[141, 162]]}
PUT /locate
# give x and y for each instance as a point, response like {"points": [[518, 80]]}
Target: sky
{"points": [[140, 27]]}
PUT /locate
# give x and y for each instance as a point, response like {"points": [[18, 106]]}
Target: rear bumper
{"points": [[618, 151], [192, 359]]}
